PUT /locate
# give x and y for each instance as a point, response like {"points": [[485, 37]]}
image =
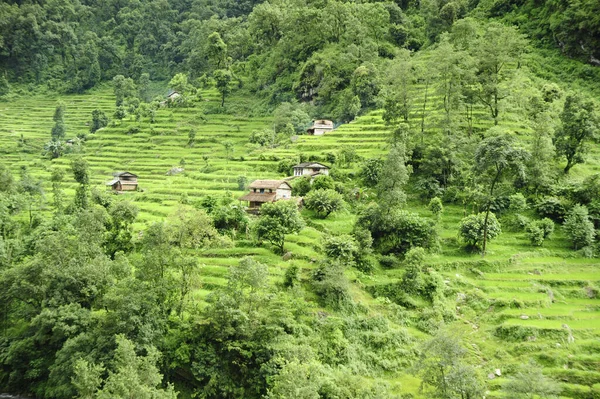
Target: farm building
{"points": [[262, 191], [173, 96], [123, 181], [310, 169], [320, 127]]}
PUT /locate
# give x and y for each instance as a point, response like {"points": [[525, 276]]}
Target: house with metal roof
{"points": [[310, 169], [262, 191], [123, 181]]}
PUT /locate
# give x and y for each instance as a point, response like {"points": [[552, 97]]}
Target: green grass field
{"points": [[526, 296]]}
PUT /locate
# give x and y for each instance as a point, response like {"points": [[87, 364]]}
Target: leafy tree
{"points": [[412, 279], [99, 120], [436, 207], [124, 88], [497, 49], [579, 228], [278, 219], [217, 50], [445, 371], [393, 177], [341, 248], [291, 112], [400, 81], [122, 215], [579, 124], [56, 178], [80, 169], [58, 130], [143, 86], [180, 83], [530, 383], [474, 229], [131, 376], [396, 231], [331, 285], [370, 171], [323, 201], [365, 85], [495, 158], [323, 182], [222, 79], [301, 186]]}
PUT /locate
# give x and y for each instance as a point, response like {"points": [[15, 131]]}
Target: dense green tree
{"points": [[324, 202], [393, 177], [475, 229], [497, 52], [58, 130], [278, 219], [579, 124], [496, 158], [399, 84], [81, 173], [223, 78], [579, 228], [99, 120], [130, 376], [445, 369], [124, 88]]}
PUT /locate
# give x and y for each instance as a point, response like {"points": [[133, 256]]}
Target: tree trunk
{"points": [[423, 112]]}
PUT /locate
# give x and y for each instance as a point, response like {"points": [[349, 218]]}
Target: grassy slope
{"points": [[515, 281]]}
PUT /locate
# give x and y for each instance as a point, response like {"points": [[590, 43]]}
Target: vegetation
{"points": [[461, 130]]}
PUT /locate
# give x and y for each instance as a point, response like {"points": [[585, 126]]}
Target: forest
{"points": [[449, 250]]}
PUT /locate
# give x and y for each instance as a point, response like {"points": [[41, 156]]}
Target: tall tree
{"points": [[497, 52], [278, 219], [58, 130], [393, 177], [579, 124], [496, 158], [399, 83]]}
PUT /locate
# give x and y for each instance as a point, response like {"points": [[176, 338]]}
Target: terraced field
{"points": [[531, 303]]}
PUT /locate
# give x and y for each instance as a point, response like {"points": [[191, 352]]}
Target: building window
{"points": [[262, 190]]}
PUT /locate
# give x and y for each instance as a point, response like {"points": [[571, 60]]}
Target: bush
{"points": [[436, 207], [551, 207], [539, 230], [323, 182], [389, 261], [471, 229], [342, 248], [332, 287], [518, 203], [370, 171], [301, 186], [397, 231], [323, 202], [412, 279], [579, 228]]}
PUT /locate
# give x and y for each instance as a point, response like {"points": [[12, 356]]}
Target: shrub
{"points": [[301, 186], [397, 231], [471, 229], [323, 182], [535, 235], [578, 227], [291, 276], [389, 261], [370, 171], [518, 203], [539, 230], [332, 287], [552, 208], [341, 248], [412, 279], [436, 207], [323, 202]]}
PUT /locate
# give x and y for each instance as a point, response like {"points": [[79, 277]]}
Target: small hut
{"points": [[312, 169], [262, 191], [320, 127], [123, 181]]}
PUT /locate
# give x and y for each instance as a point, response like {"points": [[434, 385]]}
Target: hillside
{"points": [[452, 250]]}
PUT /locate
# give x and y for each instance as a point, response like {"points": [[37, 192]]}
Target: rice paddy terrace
{"points": [[518, 303]]}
